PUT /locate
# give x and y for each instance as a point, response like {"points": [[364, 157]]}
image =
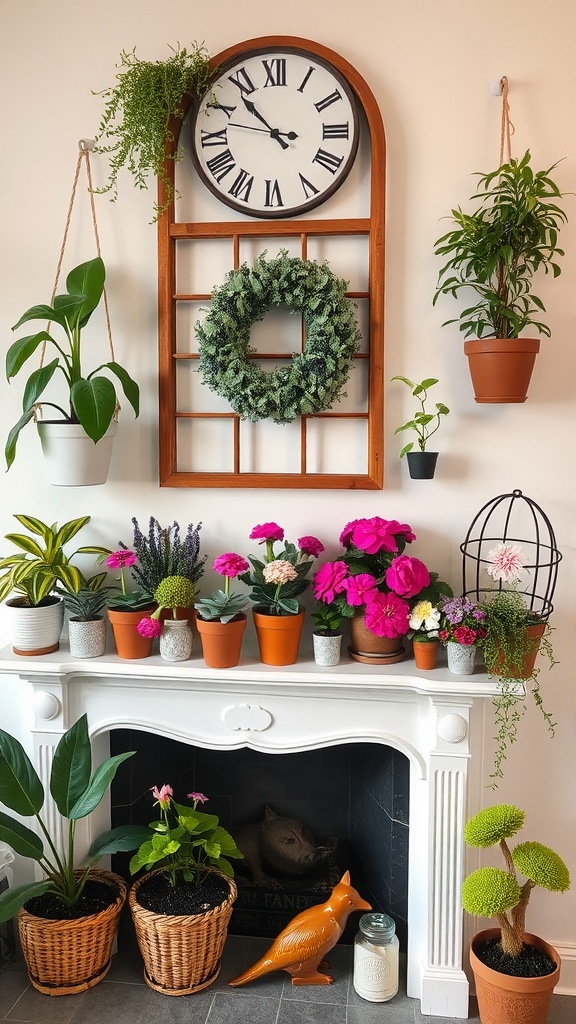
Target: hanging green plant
{"points": [[313, 379], [134, 130]]}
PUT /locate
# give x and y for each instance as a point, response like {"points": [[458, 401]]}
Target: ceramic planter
{"points": [[425, 653], [71, 458], [503, 999], [501, 368], [221, 641], [176, 640], [326, 649], [369, 649], [461, 658], [35, 631], [87, 637], [505, 671], [422, 465], [278, 637], [129, 643]]}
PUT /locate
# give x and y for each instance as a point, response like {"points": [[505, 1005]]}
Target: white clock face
{"points": [[276, 134]]}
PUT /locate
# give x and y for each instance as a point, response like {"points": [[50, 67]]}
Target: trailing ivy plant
{"points": [[134, 130]]}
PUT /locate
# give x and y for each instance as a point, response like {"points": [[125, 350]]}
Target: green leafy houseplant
{"points": [[92, 397], [498, 248], [135, 128], [77, 791], [424, 424], [86, 605], [496, 892]]}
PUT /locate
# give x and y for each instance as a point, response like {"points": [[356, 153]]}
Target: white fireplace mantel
{"points": [[426, 715]]}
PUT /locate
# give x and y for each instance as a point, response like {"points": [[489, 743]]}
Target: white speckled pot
{"points": [[461, 658], [176, 640], [326, 649], [87, 638]]}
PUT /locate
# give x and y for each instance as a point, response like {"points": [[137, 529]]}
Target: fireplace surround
{"points": [[431, 717]]}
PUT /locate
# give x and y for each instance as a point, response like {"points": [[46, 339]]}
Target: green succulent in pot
{"points": [[92, 396]]}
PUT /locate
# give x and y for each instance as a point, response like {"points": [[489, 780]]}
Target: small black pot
{"points": [[422, 465]]}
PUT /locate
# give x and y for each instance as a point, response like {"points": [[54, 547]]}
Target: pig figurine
{"points": [[279, 846]]}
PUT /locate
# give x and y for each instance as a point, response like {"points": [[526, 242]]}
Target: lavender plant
{"points": [[163, 552]]}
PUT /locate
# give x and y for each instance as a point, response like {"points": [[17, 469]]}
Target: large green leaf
{"points": [[12, 439], [119, 840], [36, 384], [98, 785], [41, 312], [13, 899], [71, 767], [22, 839], [87, 280], [69, 530], [21, 350], [94, 402], [20, 787], [36, 526], [129, 386]]}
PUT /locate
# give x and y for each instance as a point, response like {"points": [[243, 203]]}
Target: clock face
{"points": [[276, 134]]}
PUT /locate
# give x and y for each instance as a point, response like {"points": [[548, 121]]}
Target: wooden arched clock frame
{"points": [[372, 227]]}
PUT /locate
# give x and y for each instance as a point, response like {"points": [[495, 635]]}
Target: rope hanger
{"points": [[507, 128]]}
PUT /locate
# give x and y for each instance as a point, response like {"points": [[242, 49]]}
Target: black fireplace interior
{"points": [[355, 792]]}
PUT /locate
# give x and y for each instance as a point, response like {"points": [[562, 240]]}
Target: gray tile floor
{"points": [[124, 998]]}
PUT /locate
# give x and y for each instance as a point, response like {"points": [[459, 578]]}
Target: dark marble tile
{"points": [[335, 994], [13, 984], [36, 1008], [310, 1013], [257, 1010]]}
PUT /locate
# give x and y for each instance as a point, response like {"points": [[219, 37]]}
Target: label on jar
{"points": [[375, 977]]}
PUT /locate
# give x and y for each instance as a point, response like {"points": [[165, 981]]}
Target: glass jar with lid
{"points": [[376, 958]]}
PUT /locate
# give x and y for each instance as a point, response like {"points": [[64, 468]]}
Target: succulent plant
{"points": [[221, 606], [86, 604]]}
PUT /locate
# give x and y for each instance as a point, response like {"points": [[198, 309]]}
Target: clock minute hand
{"points": [[253, 128], [274, 134]]}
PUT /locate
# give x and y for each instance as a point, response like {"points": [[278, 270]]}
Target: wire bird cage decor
{"points": [[518, 523]]}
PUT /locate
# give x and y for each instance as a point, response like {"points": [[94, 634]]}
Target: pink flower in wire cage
{"points": [[311, 546], [230, 564], [506, 563], [149, 627], [120, 559]]}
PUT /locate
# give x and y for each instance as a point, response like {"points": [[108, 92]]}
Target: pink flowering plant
{"points": [[374, 575], [184, 843], [172, 593], [278, 579], [126, 600], [462, 621], [224, 605]]}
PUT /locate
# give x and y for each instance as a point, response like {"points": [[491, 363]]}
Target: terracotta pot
{"points": [[503, 999], [501, 368], [221, 641], [278, 637], [129, 643], [500, 668], [369, 649], [425, 653]]}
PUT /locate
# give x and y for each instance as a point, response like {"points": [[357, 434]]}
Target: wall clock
{"points": [[277, 132]]}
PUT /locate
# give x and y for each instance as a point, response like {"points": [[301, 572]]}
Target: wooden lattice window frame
{"points": [[372, 227]]}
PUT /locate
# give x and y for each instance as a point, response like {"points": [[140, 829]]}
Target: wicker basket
{"points": [[181, 954], [64, 957]]}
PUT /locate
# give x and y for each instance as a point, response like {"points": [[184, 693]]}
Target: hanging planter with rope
{"points": [[495, 251], [86, 431]]}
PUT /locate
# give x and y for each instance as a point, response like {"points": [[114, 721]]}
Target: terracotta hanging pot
{"points": [[501, 668], [129, 643], [221, 641], [501, 368], [504, 999], [425, 653], [278, 636], [370, 649]]}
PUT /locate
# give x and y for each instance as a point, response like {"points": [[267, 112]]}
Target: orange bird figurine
{"points": [[301, 947]]}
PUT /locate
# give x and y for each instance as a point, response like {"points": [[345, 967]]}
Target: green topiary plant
{"points": [[494, 892]]}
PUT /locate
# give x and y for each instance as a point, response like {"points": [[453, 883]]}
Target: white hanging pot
{"points": [[71, 458], [35, 630]]}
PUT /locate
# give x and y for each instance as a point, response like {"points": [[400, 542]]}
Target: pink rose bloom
{"points": [[360, 589], [198, 798], [230, 564], [329, 581], [387, 615], [149, 627], [346, 535], [407, 576], [311, 546], [163, 795], [120, 559], [465, 636], [397, 527], [267, 531]]}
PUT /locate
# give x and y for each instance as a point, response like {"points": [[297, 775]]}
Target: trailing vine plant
{"points": [[134, 129]]}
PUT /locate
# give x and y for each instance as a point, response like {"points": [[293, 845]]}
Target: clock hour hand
{"points": [[253, 128], [274, 132]]}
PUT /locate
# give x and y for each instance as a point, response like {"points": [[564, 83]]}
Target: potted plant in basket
{"points": [[424, 625], [277, 582], [135, 129], [463, 631], [421, 464], [220, 618], [37, 612], [89, 423], [182, 906], [175, 634], [515, 971], [495, 251], [67, 921]]}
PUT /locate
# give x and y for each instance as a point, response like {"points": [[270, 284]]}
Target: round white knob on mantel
{"points": [[47, 705], [452, 728], [246, 718]]}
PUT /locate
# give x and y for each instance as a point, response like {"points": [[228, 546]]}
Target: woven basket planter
{"points": [[181, 954], [65, 957]]}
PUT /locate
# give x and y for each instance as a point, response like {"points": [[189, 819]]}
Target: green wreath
{"points": [[314, 378]]}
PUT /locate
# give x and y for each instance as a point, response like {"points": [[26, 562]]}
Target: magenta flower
{"points": [[329, 581], [360, 589], [346, 535], [465, 636], [407, 576], [230, 564], [387, 615], [311, 546], [376, 534], [149, 627], [198, 798], [267, 531], [162, 795], [120, 559]]}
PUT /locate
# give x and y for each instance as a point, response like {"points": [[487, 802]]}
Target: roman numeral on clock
{"points": [[328, 160], [336, 131], [221, 106], [214, 138], [241, 79], [273, 194], [304, 81], [309, 188], [328, 101], [275, 71], [221, 164], [242, 186]]}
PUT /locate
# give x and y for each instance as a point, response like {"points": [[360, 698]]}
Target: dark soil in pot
{"points": [[96, 896], [530, 963], [185, 898]]}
